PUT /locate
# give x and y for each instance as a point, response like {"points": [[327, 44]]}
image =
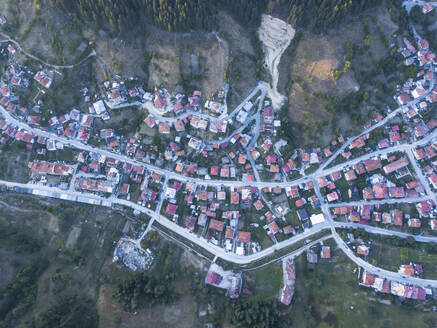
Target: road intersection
{"points": [[323, 170]]}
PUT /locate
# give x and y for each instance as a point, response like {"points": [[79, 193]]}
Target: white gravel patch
{"points": [[276, 35]]}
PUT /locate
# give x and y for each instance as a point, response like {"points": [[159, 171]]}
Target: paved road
{"points": [[382, 231], [419, 174], [393, 276], [382, 201], [385, 151], [164, 119], [294, 253], [377, 125], [218, 251], [55, 192], [173, 175]]}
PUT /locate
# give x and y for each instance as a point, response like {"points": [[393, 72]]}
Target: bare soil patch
{"points": [[72, 237]]}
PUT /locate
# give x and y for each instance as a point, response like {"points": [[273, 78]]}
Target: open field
{"points": [[265, 282], [328, 295], [391, 257], [79, 250]]}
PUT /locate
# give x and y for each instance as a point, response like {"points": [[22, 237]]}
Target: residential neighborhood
{"points": [[225, 180]]}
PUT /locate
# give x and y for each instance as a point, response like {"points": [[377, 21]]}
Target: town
{"points": [[226, 180]]}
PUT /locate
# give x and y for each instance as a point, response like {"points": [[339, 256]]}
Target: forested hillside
{"points": [[173, 15], [319, 15], [184, 15]]}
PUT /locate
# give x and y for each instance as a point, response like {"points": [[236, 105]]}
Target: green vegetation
{"points": [[20, 294], [183, 15], [142, 290], [328, 295], [319, 15], [247, 12], [16, 239], [391, 257], [175, 15], [268, 281], [68, 311], [116, 65], [122, 16], [257, 313]]}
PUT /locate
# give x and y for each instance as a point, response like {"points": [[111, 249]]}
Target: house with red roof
{"points": [[398, 217], [235, 198], [386, 218], [332, 197], [216, 225], [396, 192], [372, 164], [171, 209], [354, 216], [396, 165], [350, 175], [380, 190], [274, 227], [325, 253], [244, 237], [433, 180], [414, 223]]}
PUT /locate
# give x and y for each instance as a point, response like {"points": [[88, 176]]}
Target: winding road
{"points": [[323, 170]]}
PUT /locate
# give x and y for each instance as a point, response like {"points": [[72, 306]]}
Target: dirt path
{"points": [[9, 39]]}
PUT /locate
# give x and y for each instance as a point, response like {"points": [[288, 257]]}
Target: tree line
{"points": [[319, 15], [170, 15], [185, 15]]}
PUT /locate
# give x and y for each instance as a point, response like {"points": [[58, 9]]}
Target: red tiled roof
{"points": [[244, 236], [396, 165], [216, 225]]}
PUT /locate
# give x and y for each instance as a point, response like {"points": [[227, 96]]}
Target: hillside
{"points": [[327, 78]]}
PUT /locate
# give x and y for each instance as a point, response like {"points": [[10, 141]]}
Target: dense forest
{"points": [[174, 15], [19, 295], [319, 15], [68, 311], [257, 313], [185, 15], [170, 15]]}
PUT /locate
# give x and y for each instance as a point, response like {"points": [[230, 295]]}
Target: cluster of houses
{"points": [[239, 157], [374, 178], [413, 89], [394, 287], [73, 125], [214, 213], [44, 168], [223, 214], [16, 78], [426, 157], [161, 102], [365, 214], [412, 270]]}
